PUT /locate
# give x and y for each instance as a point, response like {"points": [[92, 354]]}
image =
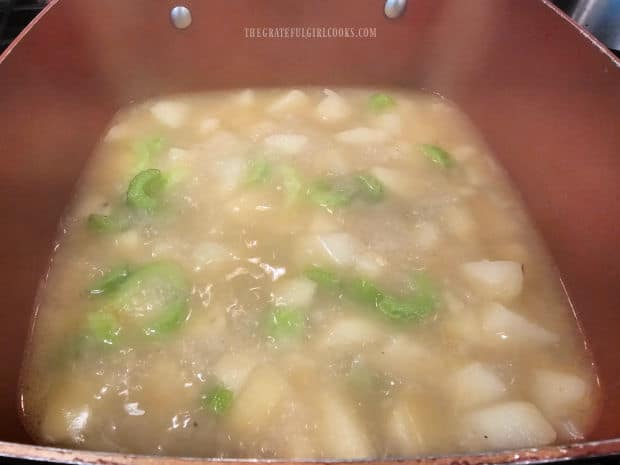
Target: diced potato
{"points": [[177, 154], [569, 430], [500, 279], [394, 180], [362, 136], [348, 332], [255, 406], [341, 431], [370, 264], [425, 235], [332, 108], [410, 426], [293, 100], [287, 144], [245, 98], [296, 292], [67, 413], [508, 425], [341, 248], [128, 240], [390, 123], [233, 369], [209, 252], [118, 132], [221, 145], [475, 384], [501, 324], [208, 125], [170, 113], [459, 221], [407, 359], [555, 392], [230, 171], [403, 433]]}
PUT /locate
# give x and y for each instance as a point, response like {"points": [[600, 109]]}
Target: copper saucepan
{"points": [[544, 93]]}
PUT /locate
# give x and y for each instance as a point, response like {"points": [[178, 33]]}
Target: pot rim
{"points": [[591, 449]]}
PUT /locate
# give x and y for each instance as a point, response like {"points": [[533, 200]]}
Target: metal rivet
{"points": [[181, 17], [394, 8]]}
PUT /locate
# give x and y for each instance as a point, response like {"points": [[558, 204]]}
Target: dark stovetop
{"points": [[14, 16]]}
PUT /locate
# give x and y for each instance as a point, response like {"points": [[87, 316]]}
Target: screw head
{"points": [[181, 17]]}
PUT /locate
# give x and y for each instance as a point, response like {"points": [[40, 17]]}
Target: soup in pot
{"points": [[302, 273]]}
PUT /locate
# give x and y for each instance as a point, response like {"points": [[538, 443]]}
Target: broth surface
{"points": [[302, 274]]}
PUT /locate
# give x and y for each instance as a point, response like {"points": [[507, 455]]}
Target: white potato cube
{"points": [[500, 279], [287, 144], [67, 413], [341, 248], [208, 125], [351, 332], [176, 154], [229, 172], [393, 180], [118, 132], [170, 113], [406, 432], [232, 369], [362, 136], [390, 123], [508, 425], [245, 98], [506, 326], [332, 108], [293, 100], [475, 384], [128, 240], [341, 430], [407, 359], [556, 392], [370, 264], [297, 292], [255, 406]]}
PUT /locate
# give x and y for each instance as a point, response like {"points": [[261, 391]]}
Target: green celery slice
{"points": [[437, 155], [380, 101], [218, 400], [145, 189]]}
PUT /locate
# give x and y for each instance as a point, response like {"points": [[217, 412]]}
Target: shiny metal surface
{"points": [[394, 8], [181, 17], [601, 18]]}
